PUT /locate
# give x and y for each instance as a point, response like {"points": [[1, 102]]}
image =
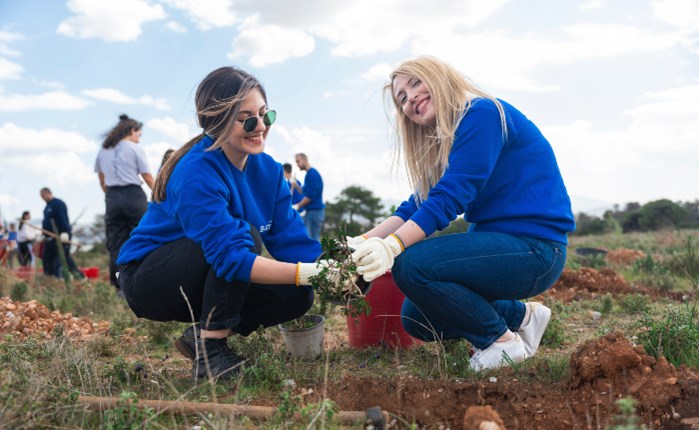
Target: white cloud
{"points": [[54, 100], [682, 14], [17, 140], [378, 72], [176, 27], [9, 69], [59, 168], [113, 21], [115, 96], [591, 5], [519, 56], [360, 27], [653, 157], [269, 44], [50, 154], [178, 131], [207, 14], [5, 38]]}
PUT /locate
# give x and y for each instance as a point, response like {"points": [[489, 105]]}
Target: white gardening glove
{"points": [[375, 256], [295, 207], [64, 237], [305, 271], [354, 242]]}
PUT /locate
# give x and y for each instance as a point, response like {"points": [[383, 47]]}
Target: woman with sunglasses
{"points": [[195, 254], [469, 153]]}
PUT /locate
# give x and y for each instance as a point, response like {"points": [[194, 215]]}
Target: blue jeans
{"points": [[313, 219], [468, 285]]}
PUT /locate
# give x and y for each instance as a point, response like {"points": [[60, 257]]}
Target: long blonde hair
{"points": [[426, 148], [217, 101]]}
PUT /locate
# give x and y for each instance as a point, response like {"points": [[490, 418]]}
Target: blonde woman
{"points": [[469, 153]]}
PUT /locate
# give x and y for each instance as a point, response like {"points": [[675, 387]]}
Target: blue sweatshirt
{"points": [[512, 187], [56, 212], [211, 202], [313, 189]]}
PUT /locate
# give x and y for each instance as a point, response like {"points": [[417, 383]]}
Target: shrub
{"points": [[676, 337]]}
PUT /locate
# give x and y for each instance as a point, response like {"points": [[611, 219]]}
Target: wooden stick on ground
{"points": [[100, 404]]}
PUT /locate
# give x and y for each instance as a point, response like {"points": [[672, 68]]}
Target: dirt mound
{"points": [[587, 283], [611, 366], [602, 371], [24, 319], [623, 256]]}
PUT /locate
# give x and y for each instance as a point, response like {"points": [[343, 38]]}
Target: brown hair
{"points": [[217, 100], [123, 128]]}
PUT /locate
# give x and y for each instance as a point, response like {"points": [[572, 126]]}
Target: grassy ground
{"points": [[42, 378]]}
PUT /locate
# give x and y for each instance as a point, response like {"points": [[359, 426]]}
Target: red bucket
{"points": [[382, 326], [91, 272]]}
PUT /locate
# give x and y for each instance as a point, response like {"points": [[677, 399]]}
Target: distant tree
{"points": [[631, 221], [692, 209], [661, 214], [587, 224], [356, 207]]}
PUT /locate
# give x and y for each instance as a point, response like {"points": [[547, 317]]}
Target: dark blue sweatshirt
{"points": [[211, 202], [56, 212], [512, 186]]}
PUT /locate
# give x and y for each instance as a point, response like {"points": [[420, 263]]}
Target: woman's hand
{"points": [[375, 256]]}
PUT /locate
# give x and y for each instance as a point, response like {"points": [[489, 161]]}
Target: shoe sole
{"points": [[184, 349]]}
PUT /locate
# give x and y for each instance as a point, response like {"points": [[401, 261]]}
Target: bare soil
{"points": [[602, 371]]}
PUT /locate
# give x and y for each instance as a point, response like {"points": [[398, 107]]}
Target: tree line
{"points": [[634, 217], [358, 210]]}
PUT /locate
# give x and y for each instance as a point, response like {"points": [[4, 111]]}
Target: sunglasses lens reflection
{"points": [[269, 117], [250, 124]]}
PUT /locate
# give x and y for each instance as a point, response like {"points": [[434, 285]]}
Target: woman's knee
{"points": [[408, 270], [415, 324]]}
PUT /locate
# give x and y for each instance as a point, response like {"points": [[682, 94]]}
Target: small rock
{"points": [[493, 379], [289, 383], [595, 315]]}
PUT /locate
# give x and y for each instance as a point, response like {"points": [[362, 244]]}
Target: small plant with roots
{"points": [[338, 282]]}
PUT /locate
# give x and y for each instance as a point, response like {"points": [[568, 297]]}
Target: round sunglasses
{"points": [[250, 123]]}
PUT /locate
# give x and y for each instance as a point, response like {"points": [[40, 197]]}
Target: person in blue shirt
{"points": [[120, 165], [56, 221], [294, 184], [469, 153], [195, 254], [312, 201]]}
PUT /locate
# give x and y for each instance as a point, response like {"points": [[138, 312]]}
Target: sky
{"points": [[613, 85]]}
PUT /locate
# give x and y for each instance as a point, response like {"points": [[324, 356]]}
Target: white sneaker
{"points": [[498, 354], [539, 316]]}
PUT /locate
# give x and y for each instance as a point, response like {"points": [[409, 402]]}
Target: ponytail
{"points": [[164, 175]]}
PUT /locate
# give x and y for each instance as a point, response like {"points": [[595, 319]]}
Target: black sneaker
{"points": [[222, 362], [216, 360], [185, 344]]}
